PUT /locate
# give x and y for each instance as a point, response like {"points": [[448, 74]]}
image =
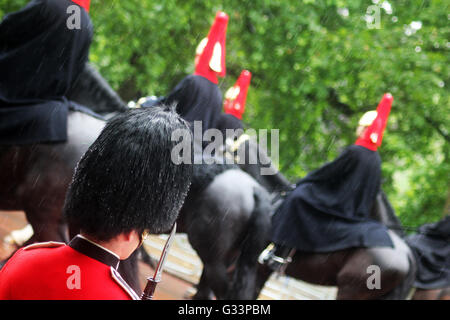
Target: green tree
{"points": [[317, 67]]}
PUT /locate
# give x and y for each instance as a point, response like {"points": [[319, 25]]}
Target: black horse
{"points": [[226, 222], [350, 269], [346, 269], [34, 178], [430, 244]]}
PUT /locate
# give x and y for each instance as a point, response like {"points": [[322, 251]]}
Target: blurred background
{"points": [[317, 67]]}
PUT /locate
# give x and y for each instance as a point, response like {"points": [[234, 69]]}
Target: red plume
{"points": [[235, 97], [83, 3], [373, 135], [211, 61]]}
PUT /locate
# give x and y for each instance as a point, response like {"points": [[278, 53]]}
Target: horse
{"points": [[430, 244], [346, 269], [35, 178], [351, 270], [226, 224], [398, 266]]}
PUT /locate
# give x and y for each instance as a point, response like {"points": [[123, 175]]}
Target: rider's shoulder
{"points": [[48, 244], [357, 149]]}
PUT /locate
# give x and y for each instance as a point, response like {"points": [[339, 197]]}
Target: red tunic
{"points": [[55, 271]]}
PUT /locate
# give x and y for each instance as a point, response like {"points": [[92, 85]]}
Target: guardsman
{"points": [[43, 49], [197, 96], [116, 197], [329, 209]]}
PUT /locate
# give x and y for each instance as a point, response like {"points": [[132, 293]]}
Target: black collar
{"points": [[94, 251]]}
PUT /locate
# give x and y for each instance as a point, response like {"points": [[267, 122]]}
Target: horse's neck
{"points": [[263, 170], [94, 92]]}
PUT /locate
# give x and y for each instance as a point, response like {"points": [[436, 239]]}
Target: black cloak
{"points": [[228, 121], [197, 99], [40, 58], [431, 247], [330, 208]]}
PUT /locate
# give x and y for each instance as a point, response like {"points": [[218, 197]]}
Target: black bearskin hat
{"points": [[127, 180]]}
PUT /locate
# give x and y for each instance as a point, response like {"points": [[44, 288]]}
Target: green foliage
{"points": [[315, 71]]}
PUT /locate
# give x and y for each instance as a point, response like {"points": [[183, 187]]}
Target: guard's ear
{"points": [[128, 236]]}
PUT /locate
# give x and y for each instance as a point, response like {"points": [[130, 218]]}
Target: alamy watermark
{"points": [[373, 13], [374, 280], [74, 280], [74, 19]]}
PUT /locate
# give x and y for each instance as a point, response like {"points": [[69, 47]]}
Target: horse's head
{"points": [[254, 160]]}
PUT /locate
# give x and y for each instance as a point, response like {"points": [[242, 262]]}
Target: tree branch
{"points": [[437, 126], [333, 100]]}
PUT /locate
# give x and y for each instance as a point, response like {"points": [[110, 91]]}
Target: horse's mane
{"points": [[273, 182]]}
